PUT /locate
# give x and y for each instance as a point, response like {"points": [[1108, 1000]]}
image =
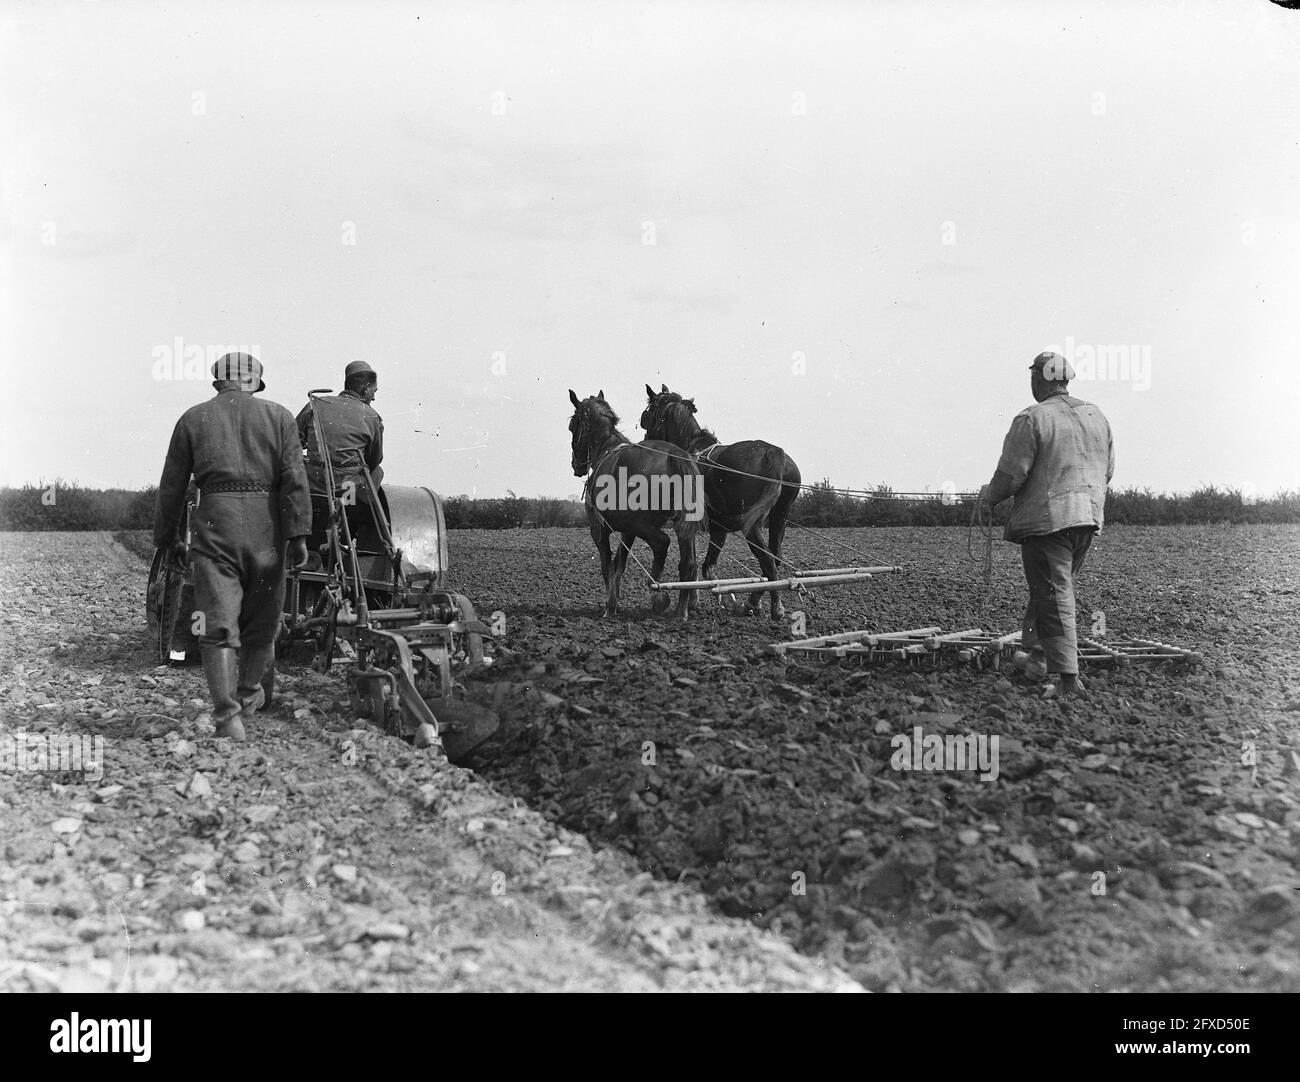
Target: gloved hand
{"points": [[178, 556], [297, 553]]}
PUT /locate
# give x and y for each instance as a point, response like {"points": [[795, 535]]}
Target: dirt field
{"points": [[1125, 845], [314, 857]]}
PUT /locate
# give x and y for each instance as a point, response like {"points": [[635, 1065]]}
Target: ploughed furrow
{"points": [[142, 853]]}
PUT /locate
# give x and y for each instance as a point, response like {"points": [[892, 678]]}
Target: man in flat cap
{"points": [[354, 433], [1056, 461], [244, 455]]}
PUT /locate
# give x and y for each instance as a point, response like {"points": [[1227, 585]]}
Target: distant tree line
{"points": [[59, 506], [824, 506], [511, 512]]}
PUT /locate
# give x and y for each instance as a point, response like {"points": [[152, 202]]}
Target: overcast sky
{"points": [[846, 230]]}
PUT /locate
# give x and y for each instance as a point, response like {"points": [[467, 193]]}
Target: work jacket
{"points": [[1056, 461], [234, 442], [353, 431]]}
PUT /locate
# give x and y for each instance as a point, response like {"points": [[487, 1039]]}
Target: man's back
{"points": [[1060, 457], [353, 431], [236, 438]]}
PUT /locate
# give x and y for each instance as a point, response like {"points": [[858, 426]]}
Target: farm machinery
{"points": [[373, 599], [978, 648]]}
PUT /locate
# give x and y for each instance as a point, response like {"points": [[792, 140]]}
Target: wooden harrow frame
{"points": [[973, 646], [832, 576], [1128, 651]]}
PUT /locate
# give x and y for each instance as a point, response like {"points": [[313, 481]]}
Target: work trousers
{"points": [[1051, 562], [238, 557]]}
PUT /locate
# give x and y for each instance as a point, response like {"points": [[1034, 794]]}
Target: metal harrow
{"points": [[973, 646]]}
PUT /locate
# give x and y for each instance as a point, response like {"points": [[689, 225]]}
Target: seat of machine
{"points": [[361, 523]]}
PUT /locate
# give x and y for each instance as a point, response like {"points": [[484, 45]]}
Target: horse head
{"points": [[669, 416], [592, 424]]}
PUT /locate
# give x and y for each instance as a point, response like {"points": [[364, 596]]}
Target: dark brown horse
{"points": [[736, 503], [635, 490]]}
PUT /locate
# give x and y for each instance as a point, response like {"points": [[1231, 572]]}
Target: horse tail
{"points": [[694, 513], [780, 466]]}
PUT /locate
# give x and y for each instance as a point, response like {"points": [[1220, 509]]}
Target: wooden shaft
{"points": [[871, 636], [953, 635], [830, 580], [808, 578], [703, 584], [882, 570], [760, 585], [846, 638], [754, 586]]}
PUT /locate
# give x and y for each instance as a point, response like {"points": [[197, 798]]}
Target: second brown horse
{"points": [[746, 484]]}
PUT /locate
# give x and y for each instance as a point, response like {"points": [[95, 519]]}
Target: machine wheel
{"points": [[168, 588], [325, 637]]}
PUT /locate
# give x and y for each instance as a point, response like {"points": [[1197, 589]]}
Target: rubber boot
{"points": [[253, 664], [1064, 685], [1072, 684], [221, 667], [1032, 664]]}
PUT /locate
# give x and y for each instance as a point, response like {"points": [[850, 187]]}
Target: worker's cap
{"points": [[1053, 366], [242, 368], [359, 368]]}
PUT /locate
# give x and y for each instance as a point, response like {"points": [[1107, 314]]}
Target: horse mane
{"points": [[604, 412], [676, 412]]}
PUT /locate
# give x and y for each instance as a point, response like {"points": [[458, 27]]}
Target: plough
{"points": [[375, 604], [973, 646]]}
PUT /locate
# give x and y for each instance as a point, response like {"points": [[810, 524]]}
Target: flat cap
{"points": [[1054, 367], [241, 368], [358, 368]]}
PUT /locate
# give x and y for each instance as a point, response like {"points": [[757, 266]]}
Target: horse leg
{"points": [[616, 577], [775, 535], [776, 527], [686, 566], [600, 535], [717, 538], [754, 538], [658, 543]]}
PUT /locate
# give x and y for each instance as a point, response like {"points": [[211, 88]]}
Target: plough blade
{"points": [[463, 726]]}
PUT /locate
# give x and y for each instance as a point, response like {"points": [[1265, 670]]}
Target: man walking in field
{"points": [[245, 457], [1056, 462]]}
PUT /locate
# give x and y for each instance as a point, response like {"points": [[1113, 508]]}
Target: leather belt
{"points": [[239, 486]]}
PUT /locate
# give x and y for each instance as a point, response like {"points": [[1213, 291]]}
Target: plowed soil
{"points": [[316, 856], [1144, 839], [771, 772]]}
